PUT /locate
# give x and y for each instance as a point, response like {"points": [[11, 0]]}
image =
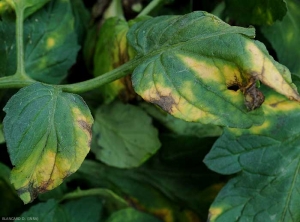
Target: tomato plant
{"points": [[150, 110]]}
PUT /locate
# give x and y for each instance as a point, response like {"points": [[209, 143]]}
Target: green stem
{"points": [[151, 7], [127, 68], [104, 193], [108, 77], [19, 42], [15, 82]]}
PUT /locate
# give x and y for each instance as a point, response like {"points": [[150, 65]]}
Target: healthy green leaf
{"points": [[111, 51], [131, 215], [47, 211], [123, 135], [28, 6], [256, 12], [266, 159], [50, 43], [285, 37], [84, 209], [82, 17], [48, 135], [191, 61], [8, 46]]}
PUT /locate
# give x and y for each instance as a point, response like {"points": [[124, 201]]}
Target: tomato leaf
{"points": [[48, 135], [8, 54], [266, 159], [173, 178], [84, 209], [29, 6], [123, 135], [179, 126], [111, 51], [285, 36], [131, 215], [191, 61], [82, 17], [81, 209], [47, 211], [256, 12], [50, 43]]}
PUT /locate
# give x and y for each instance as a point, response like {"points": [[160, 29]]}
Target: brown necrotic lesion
{"points": [[253, 98]]}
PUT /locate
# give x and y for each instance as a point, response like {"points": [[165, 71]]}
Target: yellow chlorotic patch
{"points": [[286, 106], [25, 197], [187, 90], [50, 43], [82, 149], [61, 168], [278, 102], [237, 132], [190, 112], [84, 124], [214, 212], [236, 97], [27, 169], [259, 129], [274, 98], [231, 75], [203, 70], [154, 93], [80, 116], [83, 137], [169, 100], [43, 169], [268, 74], [257, 58]]}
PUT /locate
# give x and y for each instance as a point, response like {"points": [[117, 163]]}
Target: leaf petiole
{"points": [[151, 7], [108, 77], [16, 82], [19, 41]]}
